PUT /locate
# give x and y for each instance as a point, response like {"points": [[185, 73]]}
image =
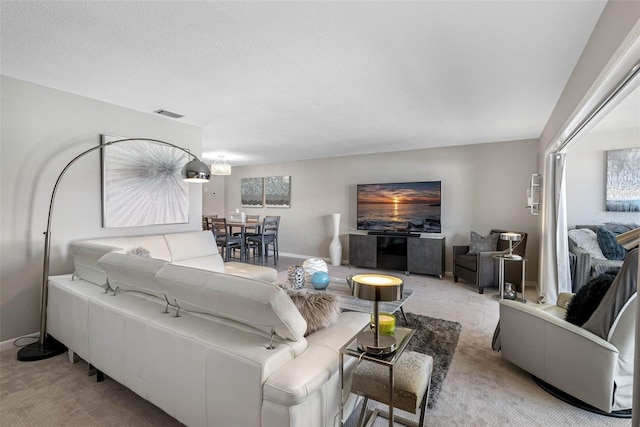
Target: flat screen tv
{"points": [[402, 207]]}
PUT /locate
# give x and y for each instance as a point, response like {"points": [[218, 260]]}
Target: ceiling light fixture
{"points": [[220, 167], [169, 114]]}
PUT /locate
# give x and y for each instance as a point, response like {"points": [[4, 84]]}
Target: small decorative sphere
{"points": [[320, 280]]}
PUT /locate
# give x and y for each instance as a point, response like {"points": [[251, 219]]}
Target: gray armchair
{"points": [[583, 266], [482, 269]]}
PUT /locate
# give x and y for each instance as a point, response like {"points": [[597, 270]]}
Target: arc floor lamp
{"points": [[195, 171]]}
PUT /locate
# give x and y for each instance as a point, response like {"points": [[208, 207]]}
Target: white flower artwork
{"points": [[142, 184]]}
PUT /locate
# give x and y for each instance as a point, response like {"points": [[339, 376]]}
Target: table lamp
{"points": [[376, 287], [511, 237]]}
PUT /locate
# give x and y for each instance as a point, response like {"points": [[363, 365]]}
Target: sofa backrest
{"points": [[196, 249], [258, 304], [188, 245], [133, 273]]}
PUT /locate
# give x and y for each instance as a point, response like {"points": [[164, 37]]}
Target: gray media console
{"points": [[411, 254]]}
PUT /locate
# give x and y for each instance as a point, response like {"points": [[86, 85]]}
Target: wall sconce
{"points": [[534, 194]]}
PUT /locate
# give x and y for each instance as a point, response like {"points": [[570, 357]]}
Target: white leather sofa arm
{"points": [[309, 371]]}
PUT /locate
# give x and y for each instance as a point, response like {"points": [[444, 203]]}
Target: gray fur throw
{"points": [[139, 251], [319, 309]]}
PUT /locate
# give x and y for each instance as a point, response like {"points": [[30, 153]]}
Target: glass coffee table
{"points": [[349, 302]]}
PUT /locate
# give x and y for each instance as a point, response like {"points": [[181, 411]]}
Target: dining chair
{"points": [[261, 242], [277, 217], [224, 240], [207, 221]]}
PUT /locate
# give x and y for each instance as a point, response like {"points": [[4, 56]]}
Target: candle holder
{"points": [[387, 323]]}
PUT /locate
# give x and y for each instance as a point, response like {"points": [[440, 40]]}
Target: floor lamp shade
{"points": [[195, 171], [376, 288]]}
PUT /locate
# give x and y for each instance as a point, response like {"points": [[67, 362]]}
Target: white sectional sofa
{"points": [[212, 365]]}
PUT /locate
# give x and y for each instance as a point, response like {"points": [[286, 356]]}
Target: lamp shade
{"points": [[377, 287], [514, 237], [195, 171], [511, 237]]}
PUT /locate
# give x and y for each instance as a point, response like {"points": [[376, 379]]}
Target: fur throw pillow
{"points": [[319, 309], [139, 251], [587, 299]]}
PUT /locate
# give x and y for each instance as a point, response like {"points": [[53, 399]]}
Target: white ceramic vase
{"points": [[313, 265], [335, 247]]}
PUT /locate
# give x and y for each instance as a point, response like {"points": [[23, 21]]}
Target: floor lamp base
{"points": [[32, 352]]}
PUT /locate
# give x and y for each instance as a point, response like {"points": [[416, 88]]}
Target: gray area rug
{"points": [[437, 338]]}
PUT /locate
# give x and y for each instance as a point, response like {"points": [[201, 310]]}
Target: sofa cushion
{"points": [[251, 271], [483, 244], [209, 263], [319, 309], [261, 305], [610, 247], [587, 240], [620, 293], [189, 245], [587, 299]]}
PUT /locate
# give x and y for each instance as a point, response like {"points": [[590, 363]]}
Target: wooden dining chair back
{"points": [[224, 240], [207, 221]]}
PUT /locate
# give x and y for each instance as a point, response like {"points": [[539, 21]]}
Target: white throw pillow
{"points": [[587, 240]]}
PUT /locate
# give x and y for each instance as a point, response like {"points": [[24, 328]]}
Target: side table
{"points": [[403, 335], [502, 259]]}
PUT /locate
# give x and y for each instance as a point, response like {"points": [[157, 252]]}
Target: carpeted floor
{"points": [[438, 338], [480, 389]]}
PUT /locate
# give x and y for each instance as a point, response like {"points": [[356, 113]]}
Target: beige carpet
{"points": [[480, 389]]}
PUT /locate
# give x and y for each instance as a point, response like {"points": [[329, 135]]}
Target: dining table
{"points": [[242, 225]]}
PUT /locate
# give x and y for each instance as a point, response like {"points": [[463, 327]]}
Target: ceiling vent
{"points": [[169, 114]]}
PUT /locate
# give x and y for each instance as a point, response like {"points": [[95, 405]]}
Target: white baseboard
{"points": [[9, 344]]}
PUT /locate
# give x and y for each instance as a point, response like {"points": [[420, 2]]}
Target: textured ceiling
{"points": [[275, 81]]}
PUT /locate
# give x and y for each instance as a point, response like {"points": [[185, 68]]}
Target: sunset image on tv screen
{"points": [[400, 207]]}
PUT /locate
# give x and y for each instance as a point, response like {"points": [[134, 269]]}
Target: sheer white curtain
{"points": [[554, 273]]}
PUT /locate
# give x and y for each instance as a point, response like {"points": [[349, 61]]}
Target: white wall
{"points": [[587, 176], [483, 187], [598, 65], [42, 130], [213, 196]]}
